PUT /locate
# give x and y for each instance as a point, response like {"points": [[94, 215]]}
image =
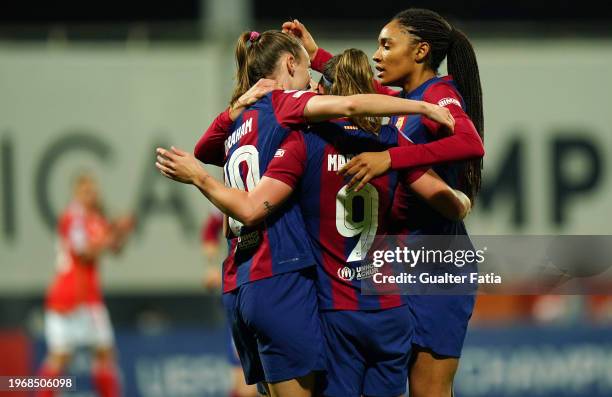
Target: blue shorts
{"points": [[368, 352], [441, 321], [232, 354], [276, 328]]}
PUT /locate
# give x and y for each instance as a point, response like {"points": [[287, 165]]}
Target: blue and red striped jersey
{"points": [[411, 215], [341, 223], [279, 244]]}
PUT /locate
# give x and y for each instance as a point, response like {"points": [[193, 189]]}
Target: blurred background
{"points": [[98, 85]]}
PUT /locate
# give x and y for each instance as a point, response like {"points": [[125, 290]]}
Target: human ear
{"points": [[290, 62], [421, 51]]}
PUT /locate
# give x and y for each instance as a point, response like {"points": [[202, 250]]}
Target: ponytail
{"points": [[462, 65], [257, 56], [243, 82]]}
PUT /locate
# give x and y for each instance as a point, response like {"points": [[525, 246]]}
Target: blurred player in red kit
{"points": [[75, 314], [211, 247]]}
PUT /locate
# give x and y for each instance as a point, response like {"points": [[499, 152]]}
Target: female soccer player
{"points": [[411, 49], [75, 313], [268, 280], [359, 362]]}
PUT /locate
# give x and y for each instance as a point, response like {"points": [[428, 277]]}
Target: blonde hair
{"points": [[349, 74]]}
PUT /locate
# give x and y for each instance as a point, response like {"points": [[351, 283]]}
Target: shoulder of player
{"points": [[445, 84], [443, 92], [266, 100], [287, 105], [279, 95], [296, 142], [73, 215]]}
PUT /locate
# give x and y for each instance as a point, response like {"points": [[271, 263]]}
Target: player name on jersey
{"points": [[336, 161], [241, 131]]}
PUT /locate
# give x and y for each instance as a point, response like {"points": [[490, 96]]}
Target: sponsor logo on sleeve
{"points": [[448, 101]]}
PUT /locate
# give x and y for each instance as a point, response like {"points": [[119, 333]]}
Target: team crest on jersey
{"points": [[399, 124]]}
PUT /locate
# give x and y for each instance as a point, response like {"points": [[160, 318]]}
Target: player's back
{"points": [[341, 222], [279, 244]]}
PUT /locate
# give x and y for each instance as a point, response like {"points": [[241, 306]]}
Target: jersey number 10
{"points": [[249, 155]]}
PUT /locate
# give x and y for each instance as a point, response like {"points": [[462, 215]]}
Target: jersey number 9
{"points": [[346, 224]]}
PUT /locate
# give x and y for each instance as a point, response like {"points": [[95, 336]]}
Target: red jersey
{"points": [[76, 281]]}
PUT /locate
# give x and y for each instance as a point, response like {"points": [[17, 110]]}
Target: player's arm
{"points": [[318, 56], [121, 228], [82, 246], [464, 142], [326, 107], [113, 239], [451, 203], [299, 31], [249, 208], [209, 148]]}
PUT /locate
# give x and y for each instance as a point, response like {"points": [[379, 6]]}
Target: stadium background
{"points": [[99, 85]]}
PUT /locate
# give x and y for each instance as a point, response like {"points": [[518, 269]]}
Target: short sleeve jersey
{"points": [[279, 244]]}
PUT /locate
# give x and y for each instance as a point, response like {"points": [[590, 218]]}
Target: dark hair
{"points": [[447, 42], [257, 56], [349, 74]]}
